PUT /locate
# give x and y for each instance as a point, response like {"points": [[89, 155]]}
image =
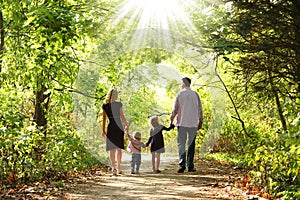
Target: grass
{"points": [[235, 159]]}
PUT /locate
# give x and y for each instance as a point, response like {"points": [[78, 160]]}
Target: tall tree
{"points": [[261, 39], [42, 50], [1, 38]]}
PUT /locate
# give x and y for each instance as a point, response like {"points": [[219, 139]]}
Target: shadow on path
{"points": [[212, 180]]}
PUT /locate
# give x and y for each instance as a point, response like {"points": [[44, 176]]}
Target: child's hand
{"points": [[172, 126], [126, 129], [127, 135], [104, 134]]}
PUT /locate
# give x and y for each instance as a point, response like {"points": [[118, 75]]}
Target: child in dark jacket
{"points": [[156, 140]]}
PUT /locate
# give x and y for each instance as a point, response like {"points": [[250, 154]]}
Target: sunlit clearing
{"points": [[155, 23]]}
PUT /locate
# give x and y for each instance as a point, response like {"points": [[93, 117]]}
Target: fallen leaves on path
{"points": [[212, 180]]}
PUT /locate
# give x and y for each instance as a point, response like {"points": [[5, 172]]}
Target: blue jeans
{"points": [[136, 161], [185, 133]]}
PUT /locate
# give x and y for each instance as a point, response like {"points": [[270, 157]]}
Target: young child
{"points": [[157, 142], [134, 148]]}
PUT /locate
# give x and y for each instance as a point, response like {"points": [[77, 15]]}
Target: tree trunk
{"points": [[41, 107], [298, 72], [1, 39], [296, 19], [277, 100]]}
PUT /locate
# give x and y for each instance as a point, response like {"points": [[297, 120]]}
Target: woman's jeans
{"points": [[185, 133]]}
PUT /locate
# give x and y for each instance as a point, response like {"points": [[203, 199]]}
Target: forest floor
{"points": [[213, 180]]}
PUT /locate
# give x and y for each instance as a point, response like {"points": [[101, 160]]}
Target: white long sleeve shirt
{"points": [[187, 108]]}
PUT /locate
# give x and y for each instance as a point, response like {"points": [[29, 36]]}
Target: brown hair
{"points": [[137, 135]]}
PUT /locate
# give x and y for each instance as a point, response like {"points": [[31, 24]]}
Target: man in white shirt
{"points": [[189, 118]]}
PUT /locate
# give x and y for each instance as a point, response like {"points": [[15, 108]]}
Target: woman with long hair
{"points": [[114, 134]]}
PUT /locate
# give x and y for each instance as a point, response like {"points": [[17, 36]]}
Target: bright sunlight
{"points": [[155, 23]]}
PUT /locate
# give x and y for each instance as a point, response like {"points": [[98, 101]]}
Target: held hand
{"points": [[172, 126], [104, 134], [127, 135], [127, 129]]}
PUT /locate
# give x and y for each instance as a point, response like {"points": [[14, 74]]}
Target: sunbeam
{"points": [[162, 25], [154, 23]]}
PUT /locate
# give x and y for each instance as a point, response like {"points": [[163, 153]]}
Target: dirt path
{"points": [[213, 180]]}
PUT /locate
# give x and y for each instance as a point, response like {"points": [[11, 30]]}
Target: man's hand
{"points": [[172, 125]]}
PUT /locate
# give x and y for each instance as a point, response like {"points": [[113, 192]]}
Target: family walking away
{"points": [[187, 109], [114, 133]]}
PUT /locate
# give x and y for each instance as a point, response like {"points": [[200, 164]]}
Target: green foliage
{"points": [[231, 158], [40, 40], [261, 69], [272, 155], [43, 46], [275, 163], [46, 42], [231, 139], [27, 154]]}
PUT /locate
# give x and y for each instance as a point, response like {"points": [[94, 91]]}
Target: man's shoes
{"points": [[181, 170], [192, 170]]}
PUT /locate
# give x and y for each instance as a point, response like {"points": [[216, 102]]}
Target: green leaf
{"points": [[29, 20]]}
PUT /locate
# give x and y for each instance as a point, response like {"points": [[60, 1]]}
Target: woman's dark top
{"points": [[115, 130], [156, 139]]}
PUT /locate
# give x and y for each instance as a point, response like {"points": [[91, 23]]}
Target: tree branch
{"points": [[79, 92], [231, 99]]}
